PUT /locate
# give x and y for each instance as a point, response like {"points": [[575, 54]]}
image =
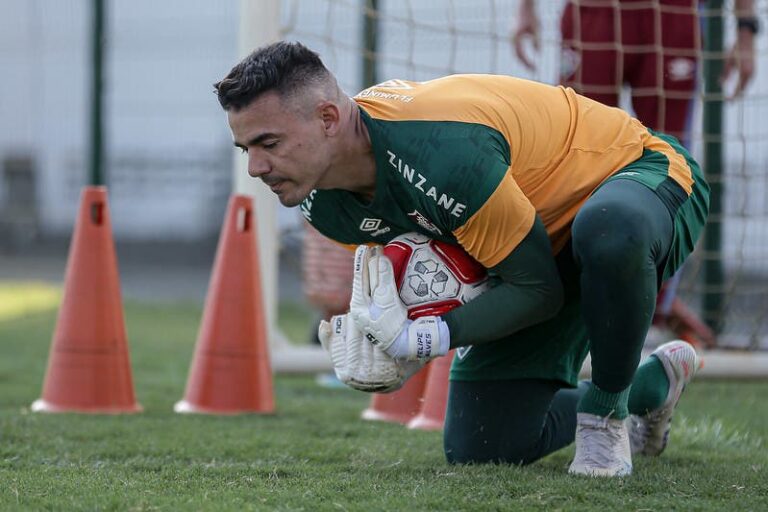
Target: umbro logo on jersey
{"points": [[424, 222], [373, 226], [370, 224]]}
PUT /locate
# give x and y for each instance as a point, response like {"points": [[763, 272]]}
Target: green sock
{"points": [[602, 403], [650, 387]]}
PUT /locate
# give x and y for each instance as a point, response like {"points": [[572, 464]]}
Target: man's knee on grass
{"points": [[490, 451], [503, 421]]}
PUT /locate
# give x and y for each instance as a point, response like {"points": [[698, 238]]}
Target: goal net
{"points": [[725, 283]]}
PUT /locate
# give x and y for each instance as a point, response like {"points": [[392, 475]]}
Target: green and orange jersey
{"points": [[471, 159]]}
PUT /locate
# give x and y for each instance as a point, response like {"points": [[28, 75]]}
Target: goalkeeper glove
{"points": [[377, 310], [359, 364]]}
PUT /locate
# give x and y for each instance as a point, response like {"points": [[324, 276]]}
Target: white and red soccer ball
{"points": [[434, 277]]}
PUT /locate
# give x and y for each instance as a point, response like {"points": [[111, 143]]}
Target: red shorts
{"points": [[651, 45]]}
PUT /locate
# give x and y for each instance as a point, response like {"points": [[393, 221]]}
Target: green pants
{"points": [[519, 421], [509, 421]]}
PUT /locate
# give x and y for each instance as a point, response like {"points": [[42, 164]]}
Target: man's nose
{"points": [[257, 167]]}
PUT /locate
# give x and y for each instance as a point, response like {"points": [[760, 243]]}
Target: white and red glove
{"points": [[377, 310], [359, 364]]}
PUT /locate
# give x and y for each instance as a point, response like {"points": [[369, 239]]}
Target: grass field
{"points": [[315, 454]]}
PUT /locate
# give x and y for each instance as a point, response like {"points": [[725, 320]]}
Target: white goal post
{"points": [[260, 25]]}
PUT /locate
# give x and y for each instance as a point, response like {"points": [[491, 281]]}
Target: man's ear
{"points": [[330, 115]]}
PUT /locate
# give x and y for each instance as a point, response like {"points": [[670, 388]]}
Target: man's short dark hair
{"points": [[284, 67]]}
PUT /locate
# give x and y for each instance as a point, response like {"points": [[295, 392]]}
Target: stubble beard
{"points": [[291, 200]]}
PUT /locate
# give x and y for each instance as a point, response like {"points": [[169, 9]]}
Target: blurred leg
{"points": [[590, 62], [664, 81]]}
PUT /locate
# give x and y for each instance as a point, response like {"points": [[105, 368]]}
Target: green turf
{"points": [[315, 454]]}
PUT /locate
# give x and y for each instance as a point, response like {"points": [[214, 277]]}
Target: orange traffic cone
{"points": [[432, 413], [399, 406], [231, 371], [88, 367]]}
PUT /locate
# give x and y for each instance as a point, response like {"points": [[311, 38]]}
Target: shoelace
{"points": [[598, 447]]}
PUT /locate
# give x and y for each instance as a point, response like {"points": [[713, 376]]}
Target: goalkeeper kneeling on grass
{"points": [[577, 210]]}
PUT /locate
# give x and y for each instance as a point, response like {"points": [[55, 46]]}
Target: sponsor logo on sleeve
{"points": [[424, 222]]}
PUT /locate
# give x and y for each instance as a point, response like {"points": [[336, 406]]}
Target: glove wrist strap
{"points": [[423, 339]]}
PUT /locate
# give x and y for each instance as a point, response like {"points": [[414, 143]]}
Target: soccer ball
{"points": [[434, 277]]}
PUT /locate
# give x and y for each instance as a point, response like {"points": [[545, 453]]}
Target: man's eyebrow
{"points": [[256, 140]]}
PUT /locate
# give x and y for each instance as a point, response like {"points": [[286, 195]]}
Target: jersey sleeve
{"points": [[498, 225]]}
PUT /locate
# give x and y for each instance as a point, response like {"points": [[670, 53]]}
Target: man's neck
{"points": [[356, 169], [369, 166]]}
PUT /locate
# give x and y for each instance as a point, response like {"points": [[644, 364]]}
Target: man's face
{"points": [[286, 148]]}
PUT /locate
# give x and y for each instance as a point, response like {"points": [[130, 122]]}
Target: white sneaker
{"points": [[649, 433], [602, 447]]}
